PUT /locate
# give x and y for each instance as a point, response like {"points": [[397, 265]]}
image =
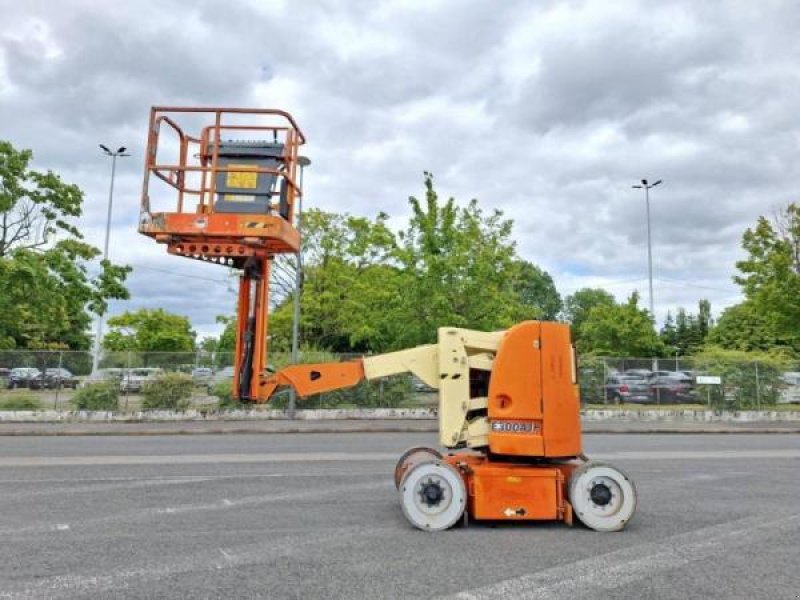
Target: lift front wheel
{"points": [[602, 496], [433, 496]]}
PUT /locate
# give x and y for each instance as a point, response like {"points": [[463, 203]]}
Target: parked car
{"points": [[638, 372], [790, 394], [627, 388], [691, 374], [52, 379], [135, 379], [669, 387], [102, 376], [21, 376], [202, 375], [222, 375], [421, 386]]}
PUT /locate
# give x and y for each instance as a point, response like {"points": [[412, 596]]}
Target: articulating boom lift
{"points": [[508, 400]]}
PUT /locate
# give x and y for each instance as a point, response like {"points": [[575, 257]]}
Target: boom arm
{"points": [[445, 366], [325, 377]]}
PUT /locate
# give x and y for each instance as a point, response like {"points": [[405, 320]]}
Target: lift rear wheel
{"points": [[433, 496], [412, 457], [602, 496]]}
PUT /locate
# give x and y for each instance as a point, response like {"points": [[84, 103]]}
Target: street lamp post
{"points": [[303, 161], [99, 331], [647, 187]]}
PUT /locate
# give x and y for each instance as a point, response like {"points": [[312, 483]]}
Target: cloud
{"points": [[548, 110]]}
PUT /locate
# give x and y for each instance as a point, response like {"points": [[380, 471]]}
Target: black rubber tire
{"points": [[612, 524]]}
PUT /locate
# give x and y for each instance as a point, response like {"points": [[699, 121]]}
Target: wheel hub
{"points": [[600, 494], [431, 493]]}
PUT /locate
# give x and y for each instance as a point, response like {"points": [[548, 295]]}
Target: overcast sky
{"points": [[549, 111]]}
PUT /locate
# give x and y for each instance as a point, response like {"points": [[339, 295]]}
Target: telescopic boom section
{"points": [[326, 377], [314, 378]]}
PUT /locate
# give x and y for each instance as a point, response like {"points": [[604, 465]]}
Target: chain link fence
{"points": [[49, 379], [710, 382]]}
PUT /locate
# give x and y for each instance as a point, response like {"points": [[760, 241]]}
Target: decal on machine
{"points": [[515, 427]]}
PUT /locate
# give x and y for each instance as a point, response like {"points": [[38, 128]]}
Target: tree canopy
{"points": [[460, 268], [370, 289], [619, 329], [147, 330], [577, 306], [48, 292], [769, 317], [770, 274], [687, 333]]}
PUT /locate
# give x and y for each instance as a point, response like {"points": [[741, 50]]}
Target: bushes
{"points": [[97, 396], [170, 391], [391, 392], [388, 392], [749, 379], [591, 378], [20, 401], [224, 393]]}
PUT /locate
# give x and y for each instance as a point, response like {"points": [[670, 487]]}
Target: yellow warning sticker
{"points": [[244, 179]]}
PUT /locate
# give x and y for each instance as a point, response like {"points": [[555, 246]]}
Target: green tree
{"points": [[669, 334], [704, 320], [536, 289], [227, 339], [458, 268], [687, 333], [47, 291], [770, 276], [746, 327], [578, 306], [350, 286], [619, 330], [368, 289], [208, 344], [147, 330]]}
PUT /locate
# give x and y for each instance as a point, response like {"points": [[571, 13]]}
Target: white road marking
{"points": [[300, 457], [241, 556], [186, 459], [190, 478], [223, 504], [616, 569], [228, 556], [698, 454]]}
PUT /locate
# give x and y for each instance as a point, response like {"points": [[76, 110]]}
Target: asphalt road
{"points": [[316, 516]]}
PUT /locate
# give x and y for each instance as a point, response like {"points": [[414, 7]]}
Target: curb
{"points": [[339, 427], [388, 414]]}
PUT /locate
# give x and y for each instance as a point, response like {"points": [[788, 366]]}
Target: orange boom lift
{"points": [[508, 400]]}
